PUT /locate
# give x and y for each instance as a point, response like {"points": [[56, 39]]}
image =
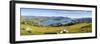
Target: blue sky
{"points": [[55, 13]]}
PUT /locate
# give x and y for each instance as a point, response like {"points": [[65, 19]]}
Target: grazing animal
{"points": [[63, 31], [28, 30]]}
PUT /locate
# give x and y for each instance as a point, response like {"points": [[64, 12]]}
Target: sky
{"points": [[55, 12]]}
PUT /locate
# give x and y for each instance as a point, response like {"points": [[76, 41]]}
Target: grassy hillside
{"points": [[27, 29]]}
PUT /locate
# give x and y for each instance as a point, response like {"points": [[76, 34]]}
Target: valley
{"points": [[54, 25]]}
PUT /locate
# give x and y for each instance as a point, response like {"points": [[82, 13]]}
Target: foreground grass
{"points": [[34, 30]]}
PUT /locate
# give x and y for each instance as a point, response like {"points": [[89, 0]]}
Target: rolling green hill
{"points": [[27, 29]]}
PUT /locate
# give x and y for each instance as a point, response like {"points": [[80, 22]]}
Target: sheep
{"points": [[28, 30], [63, 31]]}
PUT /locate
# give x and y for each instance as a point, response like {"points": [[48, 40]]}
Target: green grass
{"points": [[39, 30]]}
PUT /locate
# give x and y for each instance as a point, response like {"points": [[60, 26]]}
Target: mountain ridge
{"points": [[54, 21]]}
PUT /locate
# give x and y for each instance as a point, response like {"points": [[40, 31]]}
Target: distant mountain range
{"points": [[88, 20], [54, 21]]}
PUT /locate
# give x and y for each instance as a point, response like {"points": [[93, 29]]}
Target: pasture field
{"points": [[44, 21], [27, 29]]}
